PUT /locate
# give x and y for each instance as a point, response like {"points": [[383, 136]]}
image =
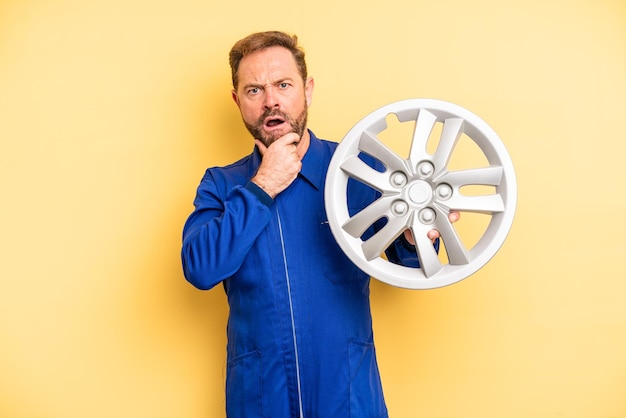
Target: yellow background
{"points": [[110, 111]]}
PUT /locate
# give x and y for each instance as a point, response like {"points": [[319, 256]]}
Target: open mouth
{"points": [[273, 122]]}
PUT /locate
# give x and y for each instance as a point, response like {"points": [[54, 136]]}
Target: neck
{"points": [[303, 144]]}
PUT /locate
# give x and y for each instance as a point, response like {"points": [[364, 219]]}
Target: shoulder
{"points": [[235, 173], [323, 142], [323, 145]]}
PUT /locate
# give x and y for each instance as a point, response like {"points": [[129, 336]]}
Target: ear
{"points": [[308, 90], [235, 97]]}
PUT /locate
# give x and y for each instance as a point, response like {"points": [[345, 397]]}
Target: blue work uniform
{"points": [[300, 340]]}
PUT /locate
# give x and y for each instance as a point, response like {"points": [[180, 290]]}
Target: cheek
{"points": [[249, 113], [297, 105]]}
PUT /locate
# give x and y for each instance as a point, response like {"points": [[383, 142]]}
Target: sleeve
{"points": [[221, 230]]}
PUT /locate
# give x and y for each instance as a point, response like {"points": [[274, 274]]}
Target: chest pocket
{"points": [[337, 266]]}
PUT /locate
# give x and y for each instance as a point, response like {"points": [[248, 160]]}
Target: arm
{"points": [[221, 230], [225, 224]]}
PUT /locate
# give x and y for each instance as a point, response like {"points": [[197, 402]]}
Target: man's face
{"points": [[271, 95]]}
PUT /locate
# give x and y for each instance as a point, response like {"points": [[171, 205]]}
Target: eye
{"points": [[253, 91], [283, 85]]}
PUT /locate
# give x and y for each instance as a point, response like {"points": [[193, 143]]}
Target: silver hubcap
{"points": [[417, 193]]}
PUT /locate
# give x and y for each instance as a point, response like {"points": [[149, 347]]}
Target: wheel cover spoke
{"points": [[375, 245], [360, 222], [370, 144], [425, 250], [452, 130]]}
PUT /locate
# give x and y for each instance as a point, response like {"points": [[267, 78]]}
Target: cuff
{"points": [[259, 193]]}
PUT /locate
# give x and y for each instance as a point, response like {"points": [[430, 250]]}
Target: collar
{"points": [[314, 164]]}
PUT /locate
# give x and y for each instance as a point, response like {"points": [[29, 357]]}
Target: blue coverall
{"points": [[300, 340]]}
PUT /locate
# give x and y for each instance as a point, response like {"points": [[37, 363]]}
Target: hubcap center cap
{"points": [[420, 193]]}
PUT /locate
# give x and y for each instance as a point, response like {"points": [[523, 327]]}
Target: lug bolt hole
{"points": [[425, 169], [400, 208], [427, 216], [398, 179], [444, 192]]}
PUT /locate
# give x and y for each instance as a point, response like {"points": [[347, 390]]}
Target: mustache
{"points": [[273, 112]]}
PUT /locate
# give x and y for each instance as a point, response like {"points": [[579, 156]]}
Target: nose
{"points": [[271, 99]]}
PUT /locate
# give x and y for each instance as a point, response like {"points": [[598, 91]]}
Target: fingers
{"points": [[453, 217], [291, 138], [280, 165], [433, 234], [408, 235]]}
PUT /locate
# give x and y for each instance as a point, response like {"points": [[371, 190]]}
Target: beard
{"points": [[298, 125]]}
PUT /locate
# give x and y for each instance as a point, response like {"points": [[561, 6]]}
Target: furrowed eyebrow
{"points": [[262, 86], [284, 80], [252, 85]]}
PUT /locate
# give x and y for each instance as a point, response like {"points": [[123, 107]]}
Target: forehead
{"points": [[267, 66]]}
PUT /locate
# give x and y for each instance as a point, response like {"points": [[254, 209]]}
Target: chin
{"points": [[270, 137]]}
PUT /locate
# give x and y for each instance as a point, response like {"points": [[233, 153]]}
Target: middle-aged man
{"points": [[300, 340]]}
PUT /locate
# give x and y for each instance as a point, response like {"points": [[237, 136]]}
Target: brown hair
{"points": [[262, 40]]}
